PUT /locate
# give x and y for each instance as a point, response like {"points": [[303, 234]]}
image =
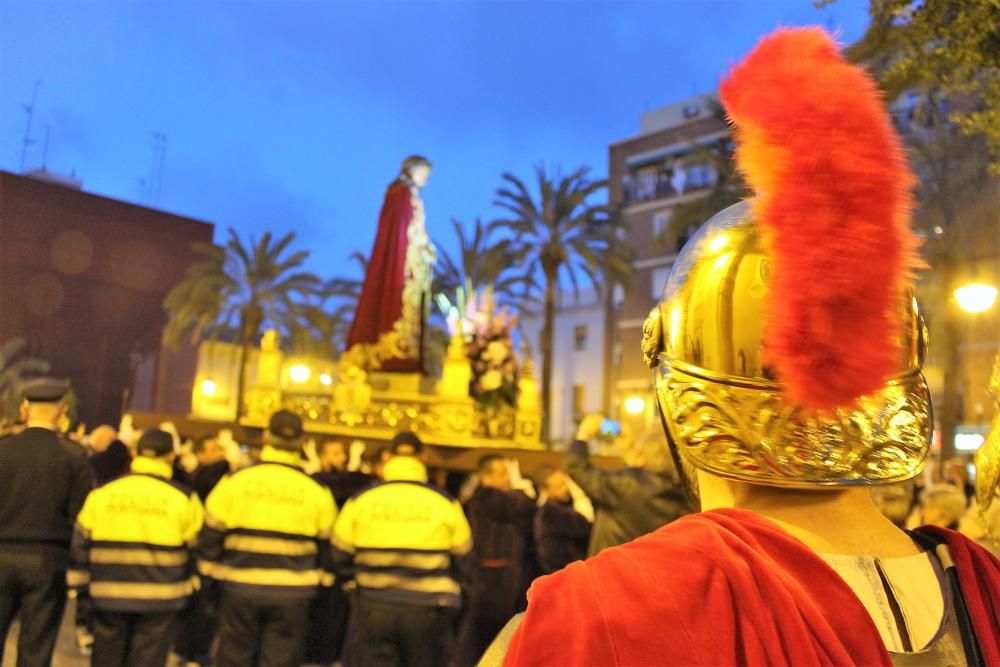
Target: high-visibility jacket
{"points": [[403, 540], [267, 529], [133, 541]]}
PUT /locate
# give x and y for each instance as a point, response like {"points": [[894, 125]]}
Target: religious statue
{"points": [[388, 329]]}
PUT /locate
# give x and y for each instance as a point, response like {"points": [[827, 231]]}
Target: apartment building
{"points": [[667, 164]]}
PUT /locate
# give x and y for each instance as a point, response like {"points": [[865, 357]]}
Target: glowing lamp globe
{"points": [[209, 387], [325, 379], [634, 405], [976, 297], [299, 373]]}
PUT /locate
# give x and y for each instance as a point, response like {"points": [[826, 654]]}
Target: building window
{"points": [[659, 279], [701, 176], [579, 406], [660, 221], [647, 179], [580, 337]]}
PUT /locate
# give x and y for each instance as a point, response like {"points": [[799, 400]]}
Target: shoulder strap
{"points": [[937, 545]]}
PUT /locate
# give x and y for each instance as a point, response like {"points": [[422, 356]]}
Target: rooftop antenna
{"points": [[155, 181], [30, 110], [45, 149]]}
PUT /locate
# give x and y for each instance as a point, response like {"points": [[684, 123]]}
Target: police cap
{"points": [[155, 443], [406, 443], [44, 390], [286, 425]]}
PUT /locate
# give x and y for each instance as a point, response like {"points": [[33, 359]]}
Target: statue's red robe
{"points": [[725, 587], [381, 302]]}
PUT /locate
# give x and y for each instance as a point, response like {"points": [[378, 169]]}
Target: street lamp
{"points": [[976, 297], [634, 405]]}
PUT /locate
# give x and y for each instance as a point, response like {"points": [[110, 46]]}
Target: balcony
{"points": [[649, 183]]}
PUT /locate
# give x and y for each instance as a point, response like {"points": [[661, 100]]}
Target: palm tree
{"points": [[14, 370], [569, 238], [240, 288], [482, 262]]}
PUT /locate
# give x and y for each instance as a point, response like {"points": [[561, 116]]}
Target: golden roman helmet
{"points": [[787, 347], [722, 407]]}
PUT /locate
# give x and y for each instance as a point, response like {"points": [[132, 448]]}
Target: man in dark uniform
{"points": [[44, 480], [501, 520]]}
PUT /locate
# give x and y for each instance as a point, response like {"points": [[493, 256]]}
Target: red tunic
{"points": [[725, 587], [381, 302]]}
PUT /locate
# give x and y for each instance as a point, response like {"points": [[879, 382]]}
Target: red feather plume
{"points": [[833, 199]]}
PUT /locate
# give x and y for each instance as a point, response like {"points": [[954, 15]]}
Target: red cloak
{"points": [[725, 587], [381, 302]]}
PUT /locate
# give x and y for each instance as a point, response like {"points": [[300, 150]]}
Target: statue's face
{"points": [[419, 175]]}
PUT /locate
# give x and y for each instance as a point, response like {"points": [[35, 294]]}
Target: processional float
{"points": [[380, 384]]}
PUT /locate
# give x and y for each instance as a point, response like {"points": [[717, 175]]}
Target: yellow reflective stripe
{"points": [[138, 557], [266, 576], [341, 545], [462, 549], [213, 523], [270, 545], [141, 591], [401, 559], [77, 578], [419, 584]]}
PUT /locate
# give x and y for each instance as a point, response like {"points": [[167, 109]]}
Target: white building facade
{"points": [[578, 359]]}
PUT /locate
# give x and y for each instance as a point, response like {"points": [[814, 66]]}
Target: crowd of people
{"points": [[295, 550]]}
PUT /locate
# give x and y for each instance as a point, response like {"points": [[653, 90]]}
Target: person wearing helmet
{"points": [[786, 354]]}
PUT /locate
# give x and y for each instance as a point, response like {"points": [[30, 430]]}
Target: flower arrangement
{"points": [[487, 332]]}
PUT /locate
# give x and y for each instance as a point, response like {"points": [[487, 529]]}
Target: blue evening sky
{"points": [[294, 115]]}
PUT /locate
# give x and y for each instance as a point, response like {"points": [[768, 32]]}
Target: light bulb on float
{"points": [[208, 387], [299, 373]]}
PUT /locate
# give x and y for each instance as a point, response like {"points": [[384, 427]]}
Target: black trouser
{"points": [[32, 588], [327, 626], [493, 601], [122, 638], [197, 624], [385, 634], [261, 633], [84, 610]]}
